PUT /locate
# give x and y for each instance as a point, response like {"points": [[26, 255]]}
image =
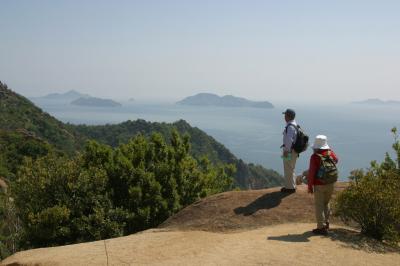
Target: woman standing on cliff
{"points": [[322, 174]]}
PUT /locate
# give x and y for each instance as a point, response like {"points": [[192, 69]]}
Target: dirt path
{"points": [[286, 244]]}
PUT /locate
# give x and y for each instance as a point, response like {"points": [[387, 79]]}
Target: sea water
{"points": [[357, 133]]}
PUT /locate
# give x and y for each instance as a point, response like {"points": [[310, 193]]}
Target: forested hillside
{"points": [[18, 113]]}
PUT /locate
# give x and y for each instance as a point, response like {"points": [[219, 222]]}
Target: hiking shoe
{"points": [[320, 231], [288, 190]]}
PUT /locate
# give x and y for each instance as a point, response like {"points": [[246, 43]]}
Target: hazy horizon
{"points": [[311, 52], [172, 100]]}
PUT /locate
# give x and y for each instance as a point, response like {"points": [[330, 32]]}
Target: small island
{"points": [[69, 95], [376, 101], [209, 99], [95, 102]]}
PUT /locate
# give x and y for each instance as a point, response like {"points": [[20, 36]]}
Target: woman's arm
{"points": [[312, 171], [334, 157]]}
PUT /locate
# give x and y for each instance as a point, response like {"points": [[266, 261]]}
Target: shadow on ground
{"points": [[304, 237], [267, 201], [348, 238]]}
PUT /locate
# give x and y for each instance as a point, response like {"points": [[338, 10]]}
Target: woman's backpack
{"points": [[327, 172]]}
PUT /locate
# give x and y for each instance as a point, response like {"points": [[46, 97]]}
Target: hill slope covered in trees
{"points": [[18, 113]]}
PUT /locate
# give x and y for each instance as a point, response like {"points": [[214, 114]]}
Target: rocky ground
{"points": [[260, 227]]}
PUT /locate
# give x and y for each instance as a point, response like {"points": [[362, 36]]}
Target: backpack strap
{"points": [[291, 124], [328, 156], [320, 156]]}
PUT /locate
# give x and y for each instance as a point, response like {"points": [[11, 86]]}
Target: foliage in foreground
{"points": [[372, 199], [106, 192]]}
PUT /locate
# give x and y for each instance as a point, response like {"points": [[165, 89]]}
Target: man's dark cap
{"points": [[290, 112]]}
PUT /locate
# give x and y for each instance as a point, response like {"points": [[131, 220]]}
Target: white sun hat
{"points": [[320, 143]]}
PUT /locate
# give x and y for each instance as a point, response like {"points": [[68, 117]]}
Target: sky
{"points": [[281, 51]]}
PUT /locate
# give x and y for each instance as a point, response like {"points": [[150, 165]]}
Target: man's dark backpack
{"points": [[301, 142], [327, 172]]}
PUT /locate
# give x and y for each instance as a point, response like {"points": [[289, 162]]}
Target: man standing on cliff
{"points": [[289, 156]]}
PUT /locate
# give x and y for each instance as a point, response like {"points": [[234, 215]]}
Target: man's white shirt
{"points": [[289, 135]]}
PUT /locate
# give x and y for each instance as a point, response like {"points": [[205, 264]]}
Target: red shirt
{"points": [[315, 162]]}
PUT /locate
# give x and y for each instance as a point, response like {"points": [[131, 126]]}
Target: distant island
{"points": [[376, 101], [209, 99], [76, 98], [69, 96], [95, 102]]}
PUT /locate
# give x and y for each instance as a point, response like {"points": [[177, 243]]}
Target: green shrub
{"points": [[60, 201], [372, 199], [105, 192]]}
